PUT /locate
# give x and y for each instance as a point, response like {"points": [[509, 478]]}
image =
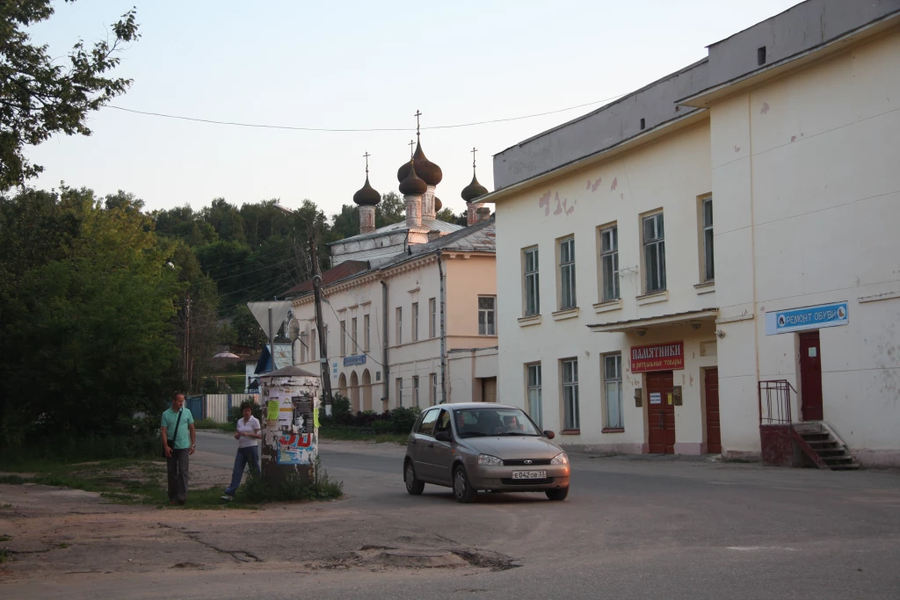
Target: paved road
{"points": [[635, 528]]}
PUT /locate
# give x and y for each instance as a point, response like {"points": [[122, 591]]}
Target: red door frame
{"points": [[810, 376], [713, 422], [661, 416]]}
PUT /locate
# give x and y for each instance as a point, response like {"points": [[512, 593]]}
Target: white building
{"points": [[409, 309], [678, 315]]}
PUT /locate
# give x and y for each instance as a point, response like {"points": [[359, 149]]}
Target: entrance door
{"points": [[661, 412], [489, 389], [713, 429], [810, 377]]}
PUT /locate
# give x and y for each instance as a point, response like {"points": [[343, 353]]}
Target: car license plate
{"points": [[529, 474]]}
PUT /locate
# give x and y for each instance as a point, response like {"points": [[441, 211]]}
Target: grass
{"points": [[134, 481], [210, 424], [350, 433]]}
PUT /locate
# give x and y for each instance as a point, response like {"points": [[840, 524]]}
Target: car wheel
{"points": [[413, 485], [462, 489], [559, 494]]}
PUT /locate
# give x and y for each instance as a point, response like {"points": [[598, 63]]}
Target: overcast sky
{"points": [[356, 65]]}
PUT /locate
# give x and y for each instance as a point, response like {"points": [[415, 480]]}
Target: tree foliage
{"points": [[39, 98]]}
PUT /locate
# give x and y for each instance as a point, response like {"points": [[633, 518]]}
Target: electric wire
{"points": [[353, 130]]}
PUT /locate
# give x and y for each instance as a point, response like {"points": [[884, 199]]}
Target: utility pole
{"points": [[187, 341], [320, 327]]}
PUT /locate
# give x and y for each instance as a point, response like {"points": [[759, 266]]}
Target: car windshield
{"points": [[474, 422]]}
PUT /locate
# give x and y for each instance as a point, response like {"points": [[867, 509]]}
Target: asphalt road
{"points": [[632, 527]]}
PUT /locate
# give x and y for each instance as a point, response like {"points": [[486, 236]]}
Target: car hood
{"points": [[513, 447]]}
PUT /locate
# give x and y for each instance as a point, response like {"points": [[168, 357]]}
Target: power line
{"points": [[350, 130]]}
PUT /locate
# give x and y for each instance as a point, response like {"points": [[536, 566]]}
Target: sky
{"points": [[358, 66]]}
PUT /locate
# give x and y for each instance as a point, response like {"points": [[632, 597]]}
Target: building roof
{"points": [[480, 237], [428, 224], [341, 271]]}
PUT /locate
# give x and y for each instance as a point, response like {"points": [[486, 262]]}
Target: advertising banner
{"points": [[811, 317], [657, 357]]}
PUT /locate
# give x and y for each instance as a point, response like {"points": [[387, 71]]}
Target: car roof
{"points": [[462, 405]]}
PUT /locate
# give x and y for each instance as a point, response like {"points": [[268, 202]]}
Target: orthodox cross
{"points": [[366, 156], [411, 144], [417, 115], [474, 150]]}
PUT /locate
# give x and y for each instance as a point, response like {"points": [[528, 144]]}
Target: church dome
{"points": [[412, 184], [437, 204], [429, 172], [367, 196], [473, 190]]}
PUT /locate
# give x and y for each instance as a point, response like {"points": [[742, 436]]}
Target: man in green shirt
{"points": [[179, 440]]}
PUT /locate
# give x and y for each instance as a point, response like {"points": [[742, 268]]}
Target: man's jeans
{"points": [[245, 456], [178, 474]]}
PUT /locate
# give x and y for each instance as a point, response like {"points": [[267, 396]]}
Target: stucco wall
{"points": [[671, 174], [807, 186]]}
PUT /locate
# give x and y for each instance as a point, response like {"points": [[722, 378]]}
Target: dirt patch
{"points": [[381, 558]]}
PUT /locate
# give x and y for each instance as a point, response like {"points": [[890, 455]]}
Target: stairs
{"points": [[823, 446]]}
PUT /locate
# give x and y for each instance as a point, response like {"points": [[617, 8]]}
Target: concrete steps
{"points": [[823, 446]]}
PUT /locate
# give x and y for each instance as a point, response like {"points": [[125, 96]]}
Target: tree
{"points": [[39, 98], [391, 210]]}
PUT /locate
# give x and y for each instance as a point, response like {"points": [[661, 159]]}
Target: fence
{"points": [[775, 402], [217, 406]]}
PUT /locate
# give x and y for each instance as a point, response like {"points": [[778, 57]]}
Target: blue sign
{"points": [[359, 359], [811, 317]]}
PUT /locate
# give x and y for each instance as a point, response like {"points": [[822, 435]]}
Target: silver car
{"points": [[483, 446]]}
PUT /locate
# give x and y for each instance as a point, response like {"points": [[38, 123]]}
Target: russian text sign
{"points": [[657, 357], [811, 317]]}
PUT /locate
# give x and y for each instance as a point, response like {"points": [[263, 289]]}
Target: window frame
{"points": [[534, 386], [366, 333], [654, 247], [609, 273], [398, 389], [398, 333], [707, 235], [354, 330], [434, 388], [415, 321], [569, 396], [343, 324], [567, 298], [488, 312], [617, 380], [432, 317], [415, 391], [531, 282]]}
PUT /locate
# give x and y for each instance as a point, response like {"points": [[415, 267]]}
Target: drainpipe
{"points": [[384, 356], [443, 332]]}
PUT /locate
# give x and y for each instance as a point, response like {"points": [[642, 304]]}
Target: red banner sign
{"points": [[657, 357]]}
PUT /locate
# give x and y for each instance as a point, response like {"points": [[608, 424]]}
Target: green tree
{"points": [[85, 322], [391, 210], [345, 224], [39, 98]]}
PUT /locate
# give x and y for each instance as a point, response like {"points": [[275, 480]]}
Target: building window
{"points": [[709, 264], [343, 333], [303, 343], [399, 338], [415, 391], [399, 388], [434, 388], [535, 410], [415, 322], [486, 308], [366, 333], [531, 282], [432, 317], [654, 254], [354, 335], [612, 389], [570, 393], [567, 273], [609, 263]]}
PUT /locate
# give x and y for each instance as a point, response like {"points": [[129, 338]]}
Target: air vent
{"points": [[761, 55]]}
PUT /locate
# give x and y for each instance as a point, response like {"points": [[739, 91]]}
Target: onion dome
{"points": [[473, 190], [427, 170], [437, 204], [411, 184], [367, 196]]}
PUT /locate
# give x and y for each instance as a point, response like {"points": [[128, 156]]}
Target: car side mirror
{"points": [[549, 434], [442, 436]]}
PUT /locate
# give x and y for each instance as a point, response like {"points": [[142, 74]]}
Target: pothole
{"points": [[386, 557]]}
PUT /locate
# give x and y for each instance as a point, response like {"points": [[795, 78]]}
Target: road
{"points": [[632, 527]]}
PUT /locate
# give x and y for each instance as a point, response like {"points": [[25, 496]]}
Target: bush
{"points": [[404, 418], [255, 491]]}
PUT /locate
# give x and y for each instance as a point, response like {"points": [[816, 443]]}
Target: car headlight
{"points": [[560, 459], [489, 461]]}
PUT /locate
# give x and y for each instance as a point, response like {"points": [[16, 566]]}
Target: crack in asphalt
{"points": [[235, 554]]}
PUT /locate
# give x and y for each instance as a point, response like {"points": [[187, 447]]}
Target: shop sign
{"points": [[657, 357], [811, 317], [357, 359]]}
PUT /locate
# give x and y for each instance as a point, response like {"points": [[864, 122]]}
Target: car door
{"points": [[421, 447], [443, 452]]}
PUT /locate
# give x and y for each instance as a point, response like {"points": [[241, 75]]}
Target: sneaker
{"points": [[227, 498]]}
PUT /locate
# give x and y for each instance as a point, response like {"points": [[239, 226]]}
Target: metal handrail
{"points": [[775, 402]]}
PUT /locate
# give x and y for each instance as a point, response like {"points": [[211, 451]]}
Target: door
{"points": [[713, 429], [443, 451], [661, 412], [421, 447], [489, 389], [810, 377]]}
